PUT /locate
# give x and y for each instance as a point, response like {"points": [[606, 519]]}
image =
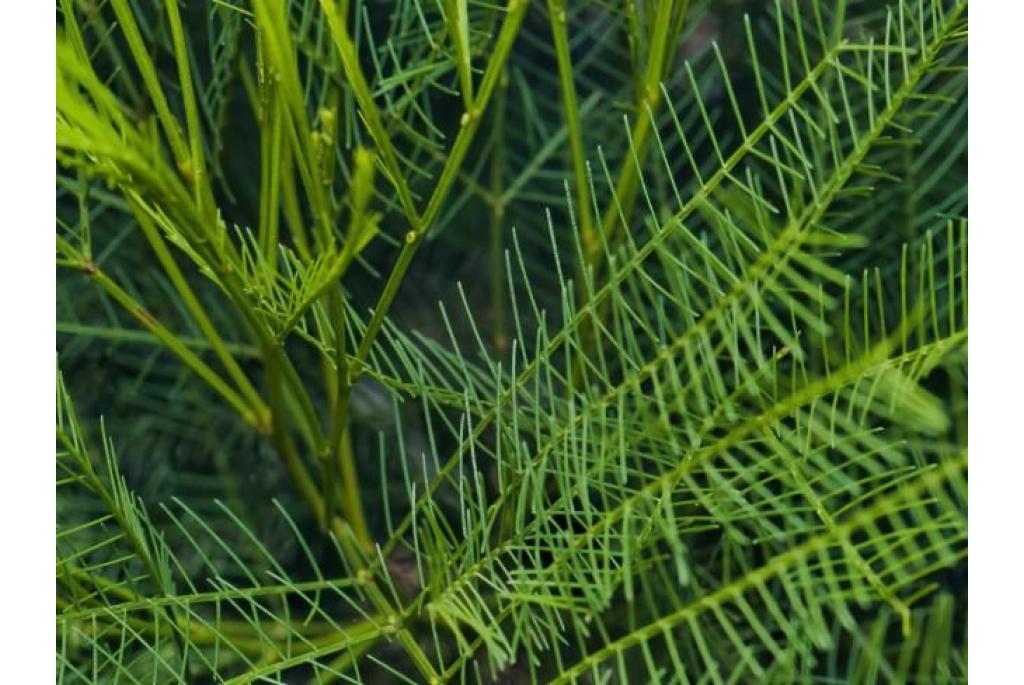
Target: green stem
{"points": [[276, 49], [354, 640], [457, 22], [99, 24], [133, 336], [271, 162], [338, 456], [648, 98], [239, 634], [559, 30], [290, 206], [395, 618], [282, 438], [194, 170], [296, 392], [497, 266], [353, 502]]}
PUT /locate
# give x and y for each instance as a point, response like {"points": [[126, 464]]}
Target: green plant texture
{"points": [[511, 341]]}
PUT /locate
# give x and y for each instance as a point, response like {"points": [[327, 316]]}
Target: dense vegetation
{"points": [[526, 341]]}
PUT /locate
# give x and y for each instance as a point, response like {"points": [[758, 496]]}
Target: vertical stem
{"points": [[648, 96], [392, 615], [497, 266], [559, 30], [270, 178], [282, 438], [457, 21], [194, 170], [337, 22], [352, 505], [338, 456], [665, 34], [290, 205], [99, 24], [633, 39], [275, 42]]}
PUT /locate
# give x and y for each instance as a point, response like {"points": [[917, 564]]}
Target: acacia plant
{"points": [[525, 341]]}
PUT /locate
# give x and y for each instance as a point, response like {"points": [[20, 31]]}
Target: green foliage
{"points": [[697, 415]]}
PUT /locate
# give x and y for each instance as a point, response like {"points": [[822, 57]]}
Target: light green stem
{"points": [[497, 267], [649, 97], [194, 170], [126, 20], [559, 30]]}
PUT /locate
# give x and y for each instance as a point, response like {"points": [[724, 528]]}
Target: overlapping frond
{"points": [[710, 391], [140, 605]]}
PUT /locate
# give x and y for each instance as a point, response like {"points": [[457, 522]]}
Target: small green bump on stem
{"points": [[249, 418], [147, 319], [327, 118], [263, 423], [652, 96], [362, 182], [187, 171], [363, 157]]}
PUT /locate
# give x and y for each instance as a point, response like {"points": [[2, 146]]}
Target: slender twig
{"points": [[559, 31], [132, 336], [338, 452], [276, 44], [500, 337], [457, 22], [194, 169], [352, 504], [282, 439], [648, 96]]}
